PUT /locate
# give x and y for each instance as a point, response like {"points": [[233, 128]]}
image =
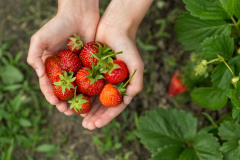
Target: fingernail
{"points": [[38, 72], [127, 99]]}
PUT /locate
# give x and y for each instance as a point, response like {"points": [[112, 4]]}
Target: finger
{"points": [[35, 53], [95, 105], [91, 122], [109, 115], [47, 90], [62, 106], [69, 112]]}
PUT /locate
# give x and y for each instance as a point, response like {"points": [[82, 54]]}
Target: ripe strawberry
{"points": [[64, 87], [176, 87], [75, 43], [80, 104], [64, 60], [88, 82], [117, 71], [86, 56], [112, 95]]}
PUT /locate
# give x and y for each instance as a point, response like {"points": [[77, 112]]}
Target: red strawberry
{"points": [[88, 82], [176, 87], [53, 67], [75, 43], [69, 61], [64, 60], [111, 95], [64, 88], [86, 56], [117, 73], [80, 104]]}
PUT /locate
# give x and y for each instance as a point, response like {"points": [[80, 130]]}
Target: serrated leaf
{"points": [[204, 150], [222, 45], [11, 74], [169, 152], [188, 154], [45, 148], [211, 98], [232, 7], [166, 127], [234, 98], [206, 9], [221, 76], [230, 132], [191, 31]]}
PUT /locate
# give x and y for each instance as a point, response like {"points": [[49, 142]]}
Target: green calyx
{"points": [[77, 101], [65, 82], [122, 86], [94, 73], [77, 41], [108, 66]]}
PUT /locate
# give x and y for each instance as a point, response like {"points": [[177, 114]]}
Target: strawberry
{"points": [[112, 95], [116, 71], [176, 86], [64, 87], [80, 104], [86, 56], [64, 60], [89, 82], [75, 43]]}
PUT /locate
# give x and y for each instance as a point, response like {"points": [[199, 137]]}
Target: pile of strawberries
{"points": [[81, 72]]}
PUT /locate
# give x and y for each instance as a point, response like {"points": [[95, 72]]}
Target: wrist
{"points": [[77, 9]]}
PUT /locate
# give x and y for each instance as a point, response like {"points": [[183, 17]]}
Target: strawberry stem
{"points": [[129, 79]]}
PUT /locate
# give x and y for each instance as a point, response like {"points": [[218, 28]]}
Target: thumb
{"points": [[35, 53]]}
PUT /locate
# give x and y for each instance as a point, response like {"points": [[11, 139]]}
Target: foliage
{"points": [[172, 135], [21, 108], [214, 34]]}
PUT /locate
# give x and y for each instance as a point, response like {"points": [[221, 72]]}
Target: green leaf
{"points": [[221, 76], [24, 122], [222, 45], [206, 9], [204, 150], [211, 98], [234, 98], [168, 152], [188, 154], [235, 112], [11, 75], [45, 148], [230, 132], [191, 31], [16, 103], [232, 7], [166, 127]]}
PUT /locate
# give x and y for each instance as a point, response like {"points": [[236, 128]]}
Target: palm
{"points": [[101, 115]]}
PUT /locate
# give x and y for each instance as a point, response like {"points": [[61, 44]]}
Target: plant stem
{"points": [[236, 25], [214, 60], [228, 67], [129, 78]]}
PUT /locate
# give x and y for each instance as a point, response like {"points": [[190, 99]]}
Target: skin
{"points": [[53, 37], [117, 28]]}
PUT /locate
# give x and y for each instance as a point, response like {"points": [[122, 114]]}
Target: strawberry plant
{"points": [[211, 30]]}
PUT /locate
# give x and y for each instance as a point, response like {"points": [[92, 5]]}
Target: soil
{"points": [[156, 80]]}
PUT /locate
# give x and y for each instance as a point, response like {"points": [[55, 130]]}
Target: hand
{"points": [[75, 16], [119, 40]]}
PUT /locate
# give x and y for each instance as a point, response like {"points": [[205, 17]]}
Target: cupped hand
{"points": [[118, 40], [53, 37]]}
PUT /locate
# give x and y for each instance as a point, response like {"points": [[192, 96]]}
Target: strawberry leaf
{"points": [[211, 98], [207, 9], [222, 45], [176, 135], [230, 132], [221, 76], [191, 31]]}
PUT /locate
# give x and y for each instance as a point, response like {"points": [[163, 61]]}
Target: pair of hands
{"points": [[53, 37]]}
